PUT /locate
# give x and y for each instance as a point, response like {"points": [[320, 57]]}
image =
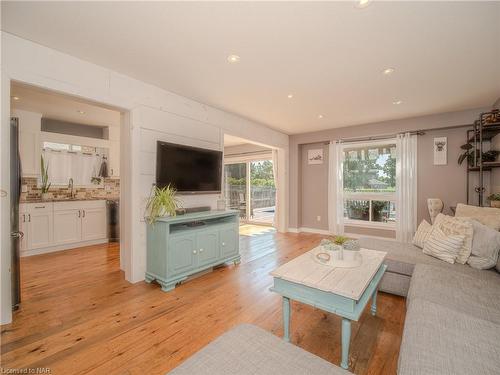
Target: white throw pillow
{"points": [[424, 230], [485, 246], [450, 225], [443, 247], [488, 216]]}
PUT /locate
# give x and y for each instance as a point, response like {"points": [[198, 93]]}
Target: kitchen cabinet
{"points": [[30, 148], [67, 224], [53, 226], [180, 246]]}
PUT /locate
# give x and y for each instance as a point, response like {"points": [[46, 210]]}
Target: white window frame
{"points": [[372, 196]]}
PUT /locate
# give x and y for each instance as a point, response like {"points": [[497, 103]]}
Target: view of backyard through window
{"points": [[369, 178], [259, 185]]}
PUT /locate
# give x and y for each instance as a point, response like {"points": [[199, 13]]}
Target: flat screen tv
{"points": [[188, 169]]}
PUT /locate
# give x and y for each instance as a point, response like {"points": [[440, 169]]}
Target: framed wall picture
{"points": [[315, 156], [441, 151]]}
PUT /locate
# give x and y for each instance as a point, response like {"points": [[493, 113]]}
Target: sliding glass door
{"points": [[254, 179]]}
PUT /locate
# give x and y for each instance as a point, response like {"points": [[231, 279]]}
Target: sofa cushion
{"points": [[248, 350], [488, 216], [438, 340], [402, 257], [485, 246], [477, 295], [443, 246], [424, 230], [450, 226]]}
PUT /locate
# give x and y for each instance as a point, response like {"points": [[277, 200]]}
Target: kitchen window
{"points": [[369, 184]]}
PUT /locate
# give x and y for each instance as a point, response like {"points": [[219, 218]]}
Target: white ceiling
{"points": [[328, 54], [61, 107]]}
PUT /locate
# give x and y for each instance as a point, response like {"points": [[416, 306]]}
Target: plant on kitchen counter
{"points": [[161, 202], [44, 173]]}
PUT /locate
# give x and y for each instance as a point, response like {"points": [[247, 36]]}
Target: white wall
{"points": [[154, 114]]}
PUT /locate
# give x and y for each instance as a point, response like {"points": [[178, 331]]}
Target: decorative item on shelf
{"points": [[492, 117], [161, 202], [351, 250], [435, 207], [488, 156], [494, 200], [44, 173]]}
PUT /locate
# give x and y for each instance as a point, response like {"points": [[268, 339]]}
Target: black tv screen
{"points": [[188, 169]]}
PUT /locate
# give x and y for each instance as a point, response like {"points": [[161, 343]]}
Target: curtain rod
{"points": [[388, 136]]}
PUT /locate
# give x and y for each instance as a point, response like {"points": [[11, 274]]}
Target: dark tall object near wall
{"points": [[483, 130], [15, 190]]}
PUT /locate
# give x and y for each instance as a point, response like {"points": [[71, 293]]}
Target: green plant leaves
{"points": [[161, 202]]}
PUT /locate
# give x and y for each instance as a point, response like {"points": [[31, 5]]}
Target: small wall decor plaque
{"points": [[440, 151], [315, 156]]}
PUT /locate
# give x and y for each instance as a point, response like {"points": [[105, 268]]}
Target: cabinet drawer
{"points": [[43, 207]]}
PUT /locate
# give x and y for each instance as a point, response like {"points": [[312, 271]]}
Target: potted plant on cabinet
{"points": [[44, 173], [161, 202]]}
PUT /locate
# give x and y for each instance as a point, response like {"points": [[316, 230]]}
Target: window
{"points": [[369, 181]]}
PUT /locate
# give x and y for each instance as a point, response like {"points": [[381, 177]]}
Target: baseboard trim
{"points": [[51, 249], [309, 230]]}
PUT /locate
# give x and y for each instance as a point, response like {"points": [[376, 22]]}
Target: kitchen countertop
{"points": [[65, 200]]}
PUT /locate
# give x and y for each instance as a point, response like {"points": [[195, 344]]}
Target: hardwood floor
{"points": [[79, 315]]}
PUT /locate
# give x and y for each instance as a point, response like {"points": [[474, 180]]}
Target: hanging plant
{"points": [[488, 156], [161, 202]]}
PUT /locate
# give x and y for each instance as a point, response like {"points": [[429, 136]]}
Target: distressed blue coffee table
{"points": [[341, 291]]}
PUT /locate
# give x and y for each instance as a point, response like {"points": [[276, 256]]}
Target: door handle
{"points": [[223, 244], [24, 218], [194, 251], [201, 250], [79, 213], [83, 213], [18, 234], [29, 218]]}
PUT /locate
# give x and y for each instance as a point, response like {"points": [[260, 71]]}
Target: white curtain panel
{"points": [[335, 188], [64, 165], [275, 176], [406, 187]]}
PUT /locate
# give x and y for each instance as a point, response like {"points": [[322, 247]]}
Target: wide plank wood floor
{"points": [[79, 315]]}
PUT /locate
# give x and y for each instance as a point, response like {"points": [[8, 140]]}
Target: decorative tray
{"points": [[329, 258]]}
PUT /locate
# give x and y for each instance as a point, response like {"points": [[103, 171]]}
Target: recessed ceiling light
{"points": [[290, 96], [320, 116], [362, 3], [233, 59], [397, 102], [81, 112], [15, 98], [388, 71]]}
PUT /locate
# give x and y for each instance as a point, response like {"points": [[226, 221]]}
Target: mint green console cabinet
{"points": [[180, 246]]}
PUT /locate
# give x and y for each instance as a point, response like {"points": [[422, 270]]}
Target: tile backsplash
{"points": [[110, 189]]}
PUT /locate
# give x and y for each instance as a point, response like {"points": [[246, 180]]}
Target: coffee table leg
{"points": [[286, 319], [346, 340], [374, 302]]}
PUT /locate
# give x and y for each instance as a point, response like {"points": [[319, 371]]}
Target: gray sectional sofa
{"points": [[452, 322]]}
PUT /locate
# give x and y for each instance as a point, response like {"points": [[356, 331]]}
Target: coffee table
{"points": [[341, 291]]}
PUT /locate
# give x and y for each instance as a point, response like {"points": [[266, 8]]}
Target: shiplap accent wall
{"points": [[151, 114]]}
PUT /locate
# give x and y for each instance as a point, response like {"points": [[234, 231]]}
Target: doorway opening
{"points": [[65, 184], [249, 181]]}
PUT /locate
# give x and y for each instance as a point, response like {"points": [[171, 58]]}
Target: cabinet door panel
{"points": [[41, 229], [67, 226], [93, 223], [182, 255], [208, 248], [29, 152], [229, 242]]}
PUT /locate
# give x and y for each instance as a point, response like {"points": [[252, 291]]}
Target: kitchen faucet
{"points": [[70, 186]]}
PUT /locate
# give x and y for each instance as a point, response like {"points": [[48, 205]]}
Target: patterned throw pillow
{"points": [[443, 247], [424, 230], [450, 225], [488, 216]]}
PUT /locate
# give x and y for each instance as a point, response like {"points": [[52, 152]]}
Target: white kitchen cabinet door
{"points": [[30, 152], [93, 223], [41, 229], [67, 226]]}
